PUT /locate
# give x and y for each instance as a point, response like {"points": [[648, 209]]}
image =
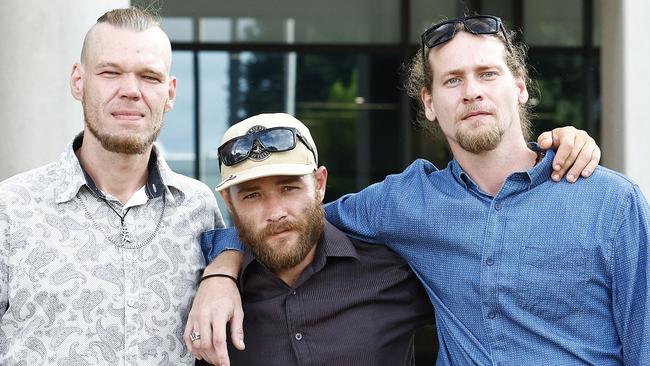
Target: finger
{"points": [[217, 348], [571, 164], [189, 328], [204, 344], [563, 153], [211, 357], [582, 161], [545, 140], [593, 164], [237, 329]]}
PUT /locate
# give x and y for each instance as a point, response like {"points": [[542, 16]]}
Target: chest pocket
{"points": [[551, 282]]}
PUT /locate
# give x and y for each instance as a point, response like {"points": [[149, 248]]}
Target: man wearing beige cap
{"points": [[311, 293]]}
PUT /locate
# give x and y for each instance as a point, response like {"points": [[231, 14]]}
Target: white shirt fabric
{"points": [[73, 293]]}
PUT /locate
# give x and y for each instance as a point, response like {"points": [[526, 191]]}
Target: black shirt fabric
{"points": [[355, 304]]}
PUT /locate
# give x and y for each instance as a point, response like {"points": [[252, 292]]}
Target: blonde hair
{"points": [[132, 18]]}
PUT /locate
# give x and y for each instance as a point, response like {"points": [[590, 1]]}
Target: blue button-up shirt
{"points": [[543, 273]]}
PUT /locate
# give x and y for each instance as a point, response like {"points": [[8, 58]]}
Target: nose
{"points": [[129, 87], [472, 91], [275, 209]]}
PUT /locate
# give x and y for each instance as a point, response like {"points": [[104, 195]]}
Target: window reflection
{"points": [[176, 139], [553, 23]]}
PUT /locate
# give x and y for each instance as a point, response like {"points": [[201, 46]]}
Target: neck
{"points": [[291, 275], [121, 175], [490, 169]]}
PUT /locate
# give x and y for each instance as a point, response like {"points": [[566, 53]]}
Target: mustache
{"points": [[278, 227], [473, 108]]}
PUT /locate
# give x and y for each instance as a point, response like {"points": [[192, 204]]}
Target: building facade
{"points": [[338, 66]]}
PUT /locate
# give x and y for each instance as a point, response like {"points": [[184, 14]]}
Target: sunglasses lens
{"points": [[278, 140], [440, 34], [443, 32], [482, 25], [271, 140], [235, 151]]}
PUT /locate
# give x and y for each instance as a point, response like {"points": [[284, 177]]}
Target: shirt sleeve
{"points": [[373, 214], [359, 214], [630, 283], [214, 242]]}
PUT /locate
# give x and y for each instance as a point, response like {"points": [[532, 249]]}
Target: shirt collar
{"points": [[332, 244], [541, 172], [74, 176], [536, 175]]}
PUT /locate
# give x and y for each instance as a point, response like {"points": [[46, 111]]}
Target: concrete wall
{"points": [[39, 42], [625, 78]]}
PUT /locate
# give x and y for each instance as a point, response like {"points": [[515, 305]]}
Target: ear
{"points": [[76, 81], [225, 194], [427, 103], [171, 94], [522, 91], [321, 182]]}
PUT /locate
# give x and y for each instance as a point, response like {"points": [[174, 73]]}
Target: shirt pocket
{"points": [[551, 281]]}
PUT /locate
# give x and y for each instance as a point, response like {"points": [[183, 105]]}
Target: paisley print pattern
{"points": [[70, 296]]}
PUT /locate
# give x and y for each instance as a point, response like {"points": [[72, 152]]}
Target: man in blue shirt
{"points": [[521, 270]]}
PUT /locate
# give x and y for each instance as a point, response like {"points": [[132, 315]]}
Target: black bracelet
{"points": [[219, 275]]}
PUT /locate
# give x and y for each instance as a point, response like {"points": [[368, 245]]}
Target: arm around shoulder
{"points": [[365, 215]]}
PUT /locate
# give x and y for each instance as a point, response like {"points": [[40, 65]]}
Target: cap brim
{"points": [[262, 171]]}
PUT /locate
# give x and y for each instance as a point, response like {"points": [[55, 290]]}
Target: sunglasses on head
{"points": [[476, 24], [276, 139]]}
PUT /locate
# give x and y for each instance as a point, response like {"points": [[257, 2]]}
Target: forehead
{"points": [[467, 51], [128, 48], [272, 181]]}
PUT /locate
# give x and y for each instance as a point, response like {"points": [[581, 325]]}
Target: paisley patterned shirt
{"points": [[74, 292]]}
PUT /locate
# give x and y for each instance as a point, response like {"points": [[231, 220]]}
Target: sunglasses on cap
{"points": [[475, 24], [276, 139]]}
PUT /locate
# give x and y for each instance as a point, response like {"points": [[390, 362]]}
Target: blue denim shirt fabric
{"points": [[543, 273]]}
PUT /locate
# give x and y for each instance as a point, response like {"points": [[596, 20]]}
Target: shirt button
{"points": [[492, 315], [131, 303], [298, 336], [489, 261], [497, 206], [293, 292]]}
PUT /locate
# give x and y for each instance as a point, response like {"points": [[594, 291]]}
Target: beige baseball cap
{"points": [[298, 161]]}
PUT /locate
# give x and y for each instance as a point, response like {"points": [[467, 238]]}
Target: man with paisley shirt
{"points": [[99, 250]]}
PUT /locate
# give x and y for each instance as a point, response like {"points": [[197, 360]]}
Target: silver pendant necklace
{"points": [[124, 231], [125, 234]]}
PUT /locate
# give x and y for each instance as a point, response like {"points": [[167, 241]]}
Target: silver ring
{"points": [[195, 336]]}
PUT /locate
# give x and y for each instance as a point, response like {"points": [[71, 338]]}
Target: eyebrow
{"points": [[146, 70], [286, 180], [247, 189], [479, 68]]}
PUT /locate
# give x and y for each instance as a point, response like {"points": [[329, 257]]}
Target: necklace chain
{"points": [[125, 234], [124, 231]]}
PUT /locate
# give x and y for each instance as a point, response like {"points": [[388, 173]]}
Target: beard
{"points": [[122, 143], [309, 227], [476, 138]]}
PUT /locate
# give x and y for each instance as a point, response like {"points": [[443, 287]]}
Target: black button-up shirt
{"points": [[356, 304]]}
